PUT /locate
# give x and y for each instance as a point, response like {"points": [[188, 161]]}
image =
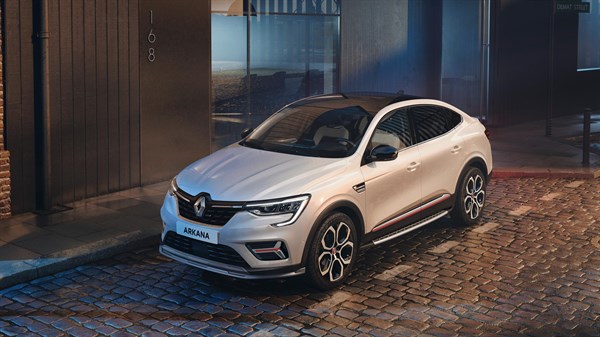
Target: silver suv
{"points": [[320, 179]]}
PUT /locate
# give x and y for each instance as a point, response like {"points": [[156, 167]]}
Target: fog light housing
{"points": [[268, 250]]}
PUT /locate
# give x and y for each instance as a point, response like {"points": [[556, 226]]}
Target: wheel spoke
{"points": [[336, 271], [325, 261], [328, 240], [342, 234], [478, 183], [470, 186], [345, 252], [468, 204], [480, 199], [474, 211]]}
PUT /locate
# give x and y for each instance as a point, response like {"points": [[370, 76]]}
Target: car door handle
{"points": [[455, 149], [413, 166]]}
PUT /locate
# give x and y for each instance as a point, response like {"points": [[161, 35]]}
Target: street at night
{"points": [[532, 267], [299, 168]]}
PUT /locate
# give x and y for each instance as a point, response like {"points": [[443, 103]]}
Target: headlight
{"points": [[173, 186], [293, 206]]}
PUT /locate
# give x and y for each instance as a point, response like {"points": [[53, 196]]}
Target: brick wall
{"points": [[4, 154]]}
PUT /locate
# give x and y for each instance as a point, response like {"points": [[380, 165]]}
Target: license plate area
{"points": [[198, 233]]}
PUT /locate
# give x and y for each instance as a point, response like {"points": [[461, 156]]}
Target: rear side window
{"points": [[432, 121]]}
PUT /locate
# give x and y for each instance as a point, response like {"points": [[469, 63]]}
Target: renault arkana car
{"points": [[322, 178]]}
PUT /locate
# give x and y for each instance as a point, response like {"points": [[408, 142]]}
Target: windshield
{"points": [[314, 130]]}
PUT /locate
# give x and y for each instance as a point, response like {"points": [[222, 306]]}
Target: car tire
{"points": [[332, 252], [469, 197]]}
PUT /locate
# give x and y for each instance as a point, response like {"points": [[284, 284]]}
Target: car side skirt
{"points": [[410, 220], [408, 229]]}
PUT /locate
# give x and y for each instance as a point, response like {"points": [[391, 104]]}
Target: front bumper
{"points": [[242, 229], [229, 270]]}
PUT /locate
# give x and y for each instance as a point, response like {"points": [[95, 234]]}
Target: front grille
{"points": [[209, 251], [213, 214]]}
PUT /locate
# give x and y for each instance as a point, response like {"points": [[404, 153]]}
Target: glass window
{"points": [[326, 7], [229, 71], [266, 54], [312, 130], [588, 48], [394, 131], [432, 121], [291, 57], [464, 56]]}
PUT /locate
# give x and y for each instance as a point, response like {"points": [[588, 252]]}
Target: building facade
{"points": [[4, 154], [140, 88]]}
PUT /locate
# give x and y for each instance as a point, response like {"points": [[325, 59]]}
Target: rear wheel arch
{"points": [[477, 162]]}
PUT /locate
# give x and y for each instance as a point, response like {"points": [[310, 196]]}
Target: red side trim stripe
{"points": [[412, 212]]}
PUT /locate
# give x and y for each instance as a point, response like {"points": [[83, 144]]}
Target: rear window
{"points": [[432, 121]]}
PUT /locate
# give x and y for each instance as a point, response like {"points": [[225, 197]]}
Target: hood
{"points": [[238, 173]]}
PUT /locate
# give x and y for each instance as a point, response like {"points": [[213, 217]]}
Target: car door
{"points": [[440, 149], [392, 187]]}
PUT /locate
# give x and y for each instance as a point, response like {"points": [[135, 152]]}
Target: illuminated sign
{"points": [[571, 6]]}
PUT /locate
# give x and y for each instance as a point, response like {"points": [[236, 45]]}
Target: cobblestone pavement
{"points": [[531, 268]]}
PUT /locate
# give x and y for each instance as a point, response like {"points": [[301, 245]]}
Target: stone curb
{"points": [[14, 272]]}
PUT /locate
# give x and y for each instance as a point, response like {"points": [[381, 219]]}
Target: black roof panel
{"points": [[371, 102]]}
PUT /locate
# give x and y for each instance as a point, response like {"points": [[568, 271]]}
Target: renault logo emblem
{"points": [[200, 206]]}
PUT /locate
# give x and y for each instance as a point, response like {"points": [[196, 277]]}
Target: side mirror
{"points": [[246, 132], [383, 153]]}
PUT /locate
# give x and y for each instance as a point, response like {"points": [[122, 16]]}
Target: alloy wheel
{"points": [[474, 196], [335, 251]]}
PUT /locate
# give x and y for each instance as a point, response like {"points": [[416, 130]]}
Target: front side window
{"points": [[393, 130], [433, 121], [312, 130]]}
